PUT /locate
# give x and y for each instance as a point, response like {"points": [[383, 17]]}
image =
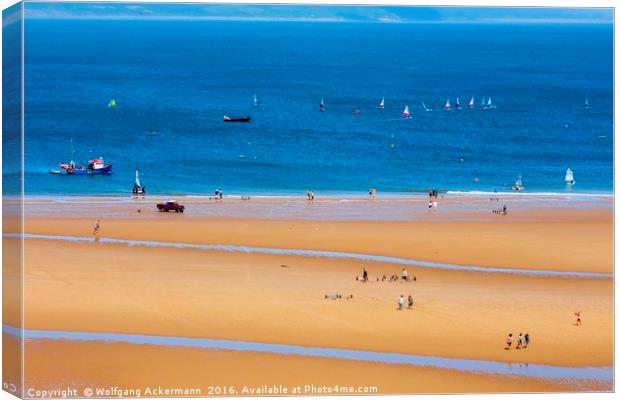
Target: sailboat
{"points": [[382, 104], [518, 186], [587, 103], [447, 106], [457, 104], [406, 113], [569, 179], [255, 101], [489, 104], [112, 103], [483, 104], [471, 103], [426, 108], [322, 105], [138, 189]]}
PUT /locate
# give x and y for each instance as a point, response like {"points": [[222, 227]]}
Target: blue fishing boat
{"points": [[94, 167]]}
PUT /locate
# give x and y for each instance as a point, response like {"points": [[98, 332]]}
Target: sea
{"points": [[174, 80]]}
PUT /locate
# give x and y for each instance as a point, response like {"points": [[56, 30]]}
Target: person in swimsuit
{"points": [[508, 342]]}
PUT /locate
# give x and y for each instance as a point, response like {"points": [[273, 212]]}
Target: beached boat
{"points": [[587, 103], [255, 101], [471, 103], [426, 108], [447, 106], [138, 189], [382, 104], [94, 167], [568, 178], [228, 118], [322, 105], [518, 186], [457, 105], [406, 113]]}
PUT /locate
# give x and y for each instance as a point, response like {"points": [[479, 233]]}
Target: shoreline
{"points": [[458, 364]]}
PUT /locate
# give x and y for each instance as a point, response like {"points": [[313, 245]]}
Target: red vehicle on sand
{"points": [[171, 205]]}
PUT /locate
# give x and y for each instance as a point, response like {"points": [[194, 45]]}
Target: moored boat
{"points": [[228, 118], [94, 167]]}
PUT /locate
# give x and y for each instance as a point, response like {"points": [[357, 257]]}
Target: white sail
{"points": [[425, 107], [519, 182], [569, 177], [587, 103], [138, 179], [255, 101], [447, 105], [382, 104], [471, 103], [458, 103], [489, 102], [406, 111]]}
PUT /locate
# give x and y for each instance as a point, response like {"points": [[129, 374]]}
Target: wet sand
{"points": [[280, 298]]}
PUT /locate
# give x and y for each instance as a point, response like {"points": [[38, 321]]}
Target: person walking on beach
{"points": [[527, 340], [519, 341], [96, 229], [410, 302], [508, 342], [578, 315], [401, 302], [365, 275]]}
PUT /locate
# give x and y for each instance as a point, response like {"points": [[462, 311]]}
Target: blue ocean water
{"points": [[178, 78]]}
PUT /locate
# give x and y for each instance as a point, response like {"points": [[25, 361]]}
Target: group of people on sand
{"points": [[337, 296], [404, 277], [401, 302], [501, 211], [310, 195], [523, 341]]}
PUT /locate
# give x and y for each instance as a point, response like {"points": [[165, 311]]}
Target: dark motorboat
{"points": [[228, 118]]}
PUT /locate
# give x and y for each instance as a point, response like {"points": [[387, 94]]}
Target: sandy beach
{"points": [[280, 298]]}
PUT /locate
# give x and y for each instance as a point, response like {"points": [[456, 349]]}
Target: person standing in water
{"points": [[96, 229]]}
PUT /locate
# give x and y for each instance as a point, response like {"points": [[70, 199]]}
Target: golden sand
{"points": [[280, 299]]}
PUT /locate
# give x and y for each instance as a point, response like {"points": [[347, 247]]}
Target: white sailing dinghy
{"points": [[569, 179], [255, 101], [489, 104], [471, 103], [518, 184], [425, 107], [447, 106], [322, 105], [457, 104], [587, 103], [137, 187], [483, 104], [406, 113], [382, 104]]}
